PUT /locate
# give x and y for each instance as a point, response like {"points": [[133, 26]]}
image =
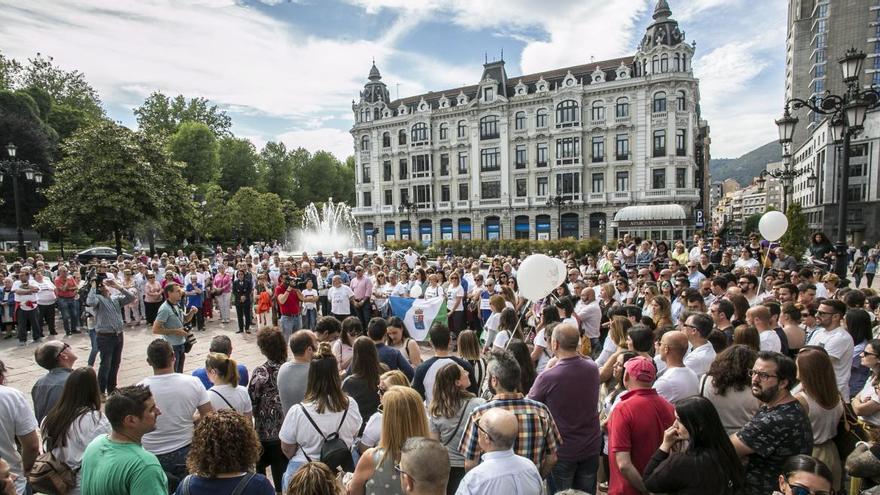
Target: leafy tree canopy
{"points": [[161, 115], [67, 87], [238, 164], [195, 145]]}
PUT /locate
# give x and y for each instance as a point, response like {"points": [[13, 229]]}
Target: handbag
{"points": [[190, 340], [849, 432], [50, 475]]}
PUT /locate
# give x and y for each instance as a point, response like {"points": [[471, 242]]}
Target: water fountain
{"points": [[330, 228]]}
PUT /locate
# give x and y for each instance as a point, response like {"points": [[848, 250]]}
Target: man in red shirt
{"points": [[66, 287], [635, 428], [288, 297]]}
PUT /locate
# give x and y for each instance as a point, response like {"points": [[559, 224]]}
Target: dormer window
{"points": [[488, 94]]}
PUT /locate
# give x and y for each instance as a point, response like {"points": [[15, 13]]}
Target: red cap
{"points": [[641, 369]]}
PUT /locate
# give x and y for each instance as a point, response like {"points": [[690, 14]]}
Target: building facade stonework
{"points": [[538, 156]]}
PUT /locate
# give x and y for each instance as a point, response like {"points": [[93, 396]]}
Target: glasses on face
{"points": [[866, 353], [743, 282], [400, 471], [65, 347], [797, 489], [805, 315], [823, 313], [762, 375]]}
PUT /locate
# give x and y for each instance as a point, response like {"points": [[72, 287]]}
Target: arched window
{"points": [[462, 128], [676, 63], [489, 127], [375, 114], [684, 64], [664, 63], [597, 112], [567, 113], [386, 139], [444, 131], [541, 118], [365, 143], [659, 102], [519, 121], [622, 107], [655, 65], [401, 137], [419, 132], [681, 101]]}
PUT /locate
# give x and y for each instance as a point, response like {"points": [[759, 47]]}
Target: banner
{"points": [[419, 314]]}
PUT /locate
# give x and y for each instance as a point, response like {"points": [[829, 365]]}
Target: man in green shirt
{"points": [[116, 464]]}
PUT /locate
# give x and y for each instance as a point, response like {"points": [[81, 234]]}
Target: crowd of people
{"points": [[695, 369]]}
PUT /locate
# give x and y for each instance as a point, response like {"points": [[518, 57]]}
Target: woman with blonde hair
{"points": [[226, 393], [451, 403], [373, 431], [403, 417], [469, 350], [497, 305], [222, 456], [314, 478], [616, 339], [818, 395], [661, 309]]}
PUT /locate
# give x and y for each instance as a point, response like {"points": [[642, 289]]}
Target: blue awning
{"points": [[446, 228], [542, 227], [522, 227], [389, 229], [425, 229], [464, 227]]}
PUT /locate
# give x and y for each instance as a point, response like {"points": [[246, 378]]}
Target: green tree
{"points": [[256, 215], [795, 240], [66, 119], [238, 164], [66, 87], [276, 169], [9, 71], [215, 217], [750, 224], [324, 177], [161, 115], [194, 144], [110, 180]]}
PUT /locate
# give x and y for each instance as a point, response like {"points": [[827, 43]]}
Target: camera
{"points": [[291, 281]]}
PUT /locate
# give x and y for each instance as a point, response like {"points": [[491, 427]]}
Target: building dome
{"points": [[663, 31], [374, 73]]}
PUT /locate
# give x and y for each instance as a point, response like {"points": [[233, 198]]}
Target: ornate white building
{"points": [[556, 153]]}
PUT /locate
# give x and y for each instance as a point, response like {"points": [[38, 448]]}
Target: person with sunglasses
{"points": [[866, 403], [57, 357], [804, 475], [780, 428]]}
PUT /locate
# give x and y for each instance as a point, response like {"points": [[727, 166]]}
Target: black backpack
{"points": [[334, 453]]}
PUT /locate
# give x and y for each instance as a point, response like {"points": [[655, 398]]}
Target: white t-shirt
{"points": [[501, 339], [677, 383], [27, 302], [340, 304], [416, 291], [237, 396], [770, 341], [411, 259], [608, 348], [373, 431], [452, 294], [46, 295], [297, 429], [178, 397], [82, 431], [16, 420], [868, 393], [307, 293], [434, 292], [839, 345], [544, 358], [700, 358]]}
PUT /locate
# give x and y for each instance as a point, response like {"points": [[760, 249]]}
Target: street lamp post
{"points": [[846, 115], [786, 175], [559, 201], [410, 209], [14, 168]]}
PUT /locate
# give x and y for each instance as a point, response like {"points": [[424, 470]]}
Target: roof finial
{"points": [[485, 57], [374, 72], [502, 54], [662, 10]]}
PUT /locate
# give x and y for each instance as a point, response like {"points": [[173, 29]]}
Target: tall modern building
{"points": [[819, 32], [599, 150]]}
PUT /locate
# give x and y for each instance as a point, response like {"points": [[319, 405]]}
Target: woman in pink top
{"points": [[223, 293], [152, 297]]}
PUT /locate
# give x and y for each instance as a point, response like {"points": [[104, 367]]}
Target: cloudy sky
{"points": [[288, 69]]}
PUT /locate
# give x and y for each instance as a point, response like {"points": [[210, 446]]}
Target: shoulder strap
{"points": [[224, 398], [242, 484], [457, 426], [312, 421], [703, 385], [344, 414], [406, 347]]}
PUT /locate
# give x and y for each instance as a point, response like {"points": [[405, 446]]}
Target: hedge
{"points": [[504, 247]]}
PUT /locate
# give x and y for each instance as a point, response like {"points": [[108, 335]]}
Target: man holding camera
{"points": [[107, 309], [289, 297]]}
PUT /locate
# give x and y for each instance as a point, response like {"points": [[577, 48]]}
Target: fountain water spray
{"points": [[332, 228]]}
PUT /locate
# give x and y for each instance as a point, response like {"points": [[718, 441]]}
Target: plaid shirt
{"points": [[537, 436]]}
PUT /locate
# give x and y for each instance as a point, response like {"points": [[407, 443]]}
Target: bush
{"points": [[504, 247]]}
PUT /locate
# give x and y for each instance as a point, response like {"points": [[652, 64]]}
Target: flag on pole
{"points": [[419, 314]]}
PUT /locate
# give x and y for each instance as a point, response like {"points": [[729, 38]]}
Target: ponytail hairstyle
{"points": [[224, 365]]}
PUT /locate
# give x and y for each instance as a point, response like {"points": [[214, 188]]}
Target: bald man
{"points": [[677, 381], [759, 317], [572, 376], [502, 472]]}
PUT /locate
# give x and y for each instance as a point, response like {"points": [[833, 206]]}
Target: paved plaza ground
{"points": [[22, 371]]}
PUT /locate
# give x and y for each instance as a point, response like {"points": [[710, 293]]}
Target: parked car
{"points": [[100, 252]]}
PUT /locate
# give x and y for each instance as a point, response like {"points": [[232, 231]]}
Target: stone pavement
{"points": [[22, 371]]}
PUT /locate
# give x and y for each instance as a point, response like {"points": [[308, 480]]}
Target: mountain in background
{"points": [[746, 167]]}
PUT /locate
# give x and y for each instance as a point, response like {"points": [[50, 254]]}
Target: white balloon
{"points": [[562, 271], [537, 276], [773, 225]]}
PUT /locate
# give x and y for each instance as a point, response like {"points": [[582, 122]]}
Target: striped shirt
{"points": [[537, 436], [108, 312]]}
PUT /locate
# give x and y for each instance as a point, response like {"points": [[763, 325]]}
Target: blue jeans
{"points": [[580, 475], [292, 467], [110, 347], [93, 353], [69, 317], [310, 316], [179, 357], [174, 465], [290, 324]]}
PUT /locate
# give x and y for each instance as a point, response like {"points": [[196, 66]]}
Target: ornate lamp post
{"points": [[410, 209], [559, 201], [786, 175], [846, 114], [14, 168]]}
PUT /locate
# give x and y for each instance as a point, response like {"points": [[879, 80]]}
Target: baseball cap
{"points": [[641, 368]]}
